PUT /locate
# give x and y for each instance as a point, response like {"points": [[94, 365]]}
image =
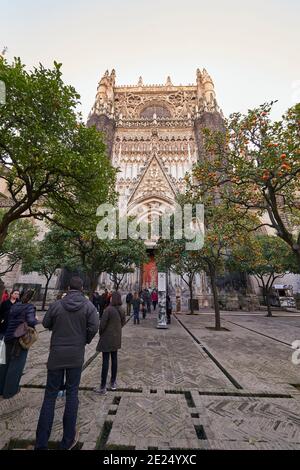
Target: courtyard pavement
{"points": [[185, 387]]}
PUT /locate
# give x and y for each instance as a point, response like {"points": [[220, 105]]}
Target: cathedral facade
{"points": [[153, 135]]}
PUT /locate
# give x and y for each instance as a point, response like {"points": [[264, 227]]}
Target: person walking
{"points": [[147, 299], [154, 298], [11, 372], [74, 322], [5, 309], [110, 330], [129, 298], [136, 302]]}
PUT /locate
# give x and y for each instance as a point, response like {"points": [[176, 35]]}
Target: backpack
{"points": [[26, 335]]}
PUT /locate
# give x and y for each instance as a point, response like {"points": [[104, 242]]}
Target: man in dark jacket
{"points": [[74, 322], [129, 298]]}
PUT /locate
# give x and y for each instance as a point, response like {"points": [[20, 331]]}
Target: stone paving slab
{"points": [[172, 395], [258, 363], [152, 357]]}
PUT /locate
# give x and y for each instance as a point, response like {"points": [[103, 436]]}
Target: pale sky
{"points": [[251, 49]]}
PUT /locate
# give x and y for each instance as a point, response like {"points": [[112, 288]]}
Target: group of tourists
{"points": [[101, 301], [142, 302], [74, 321]]}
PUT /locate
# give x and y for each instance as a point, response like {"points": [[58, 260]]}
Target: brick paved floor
{"points": [[199, 388]]}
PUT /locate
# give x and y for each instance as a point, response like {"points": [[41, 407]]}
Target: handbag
{"points": [[26, 335], [2, 351]]}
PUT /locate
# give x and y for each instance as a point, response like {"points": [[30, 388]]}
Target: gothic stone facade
{"points": [[153, 136]]}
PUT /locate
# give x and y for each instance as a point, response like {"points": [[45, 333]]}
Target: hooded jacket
{"points": [[74, 322], [112, 321]]}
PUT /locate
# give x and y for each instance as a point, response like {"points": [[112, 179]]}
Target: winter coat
{"points": [[154, 296], [74, 321], [18, 314], [4, 313], [110, 330], [136, 303], [129, 298]]}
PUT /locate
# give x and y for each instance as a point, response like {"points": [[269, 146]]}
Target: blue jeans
{"points": [[54, 380], [136, 317], [105, 367], [11, 372]]}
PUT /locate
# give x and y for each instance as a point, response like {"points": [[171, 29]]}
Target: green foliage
{"points": [[255, 165], [52, 165], [264, 256], [50, 254], [122, 257], [116, 257], [18, 245]]}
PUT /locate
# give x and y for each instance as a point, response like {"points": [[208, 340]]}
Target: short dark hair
{"points": [[76, 283]]}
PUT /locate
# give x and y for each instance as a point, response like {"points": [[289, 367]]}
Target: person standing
{"points": [[169, 309], [136, 302], [154, 298], [74, 322], [11, 372], [110, 330], [96, 299], [147, 300], [102, 304], [5, 309], [129, 298], [5, 296]]}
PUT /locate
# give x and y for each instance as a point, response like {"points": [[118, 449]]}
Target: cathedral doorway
{"points": [[149, 272]]}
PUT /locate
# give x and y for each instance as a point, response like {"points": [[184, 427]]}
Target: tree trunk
{"points": [[45, 293], [212, 274], [94, 282], [191, 297], [269, 314]]}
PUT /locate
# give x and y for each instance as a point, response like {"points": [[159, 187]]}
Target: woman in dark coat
{"points": [[110, 330], [5, 309], [11, 372]]}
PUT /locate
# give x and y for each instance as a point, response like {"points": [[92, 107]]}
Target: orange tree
{"points": [[265, 257], [225, 228], [255, 165], [51, 165]]}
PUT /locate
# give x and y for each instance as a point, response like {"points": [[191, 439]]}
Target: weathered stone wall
{"points": [[105, 125], [213, 121]]}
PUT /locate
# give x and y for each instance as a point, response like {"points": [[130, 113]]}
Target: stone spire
{"points": [[140, 82], [169, 83]]}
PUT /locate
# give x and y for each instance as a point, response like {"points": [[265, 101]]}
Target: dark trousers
{"points": [[11, 372], [105, 367], [54, 380], [136, 315], [148, 302], [128, 305], [154, 303], [169, 313]]}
